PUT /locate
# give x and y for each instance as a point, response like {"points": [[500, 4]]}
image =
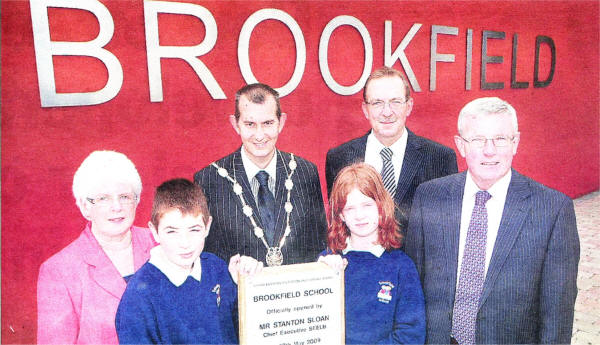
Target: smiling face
{"points": [[258, 127], [181, 236], [488, 164], [388, 121], [361, 216], [112, 219]]}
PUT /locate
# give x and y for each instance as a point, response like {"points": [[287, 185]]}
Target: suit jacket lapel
{"points": [[413, 158], [357, 150], [454, 197], [515, 211], [241, 178], [280, 197], [102, 270]]}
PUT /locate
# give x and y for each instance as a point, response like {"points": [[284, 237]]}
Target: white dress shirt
{"points": [[176, 274], [373, 155], [494, 207], [252, 169]]}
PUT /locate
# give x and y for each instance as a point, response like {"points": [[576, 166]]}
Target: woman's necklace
{"points": [[274, 255]]}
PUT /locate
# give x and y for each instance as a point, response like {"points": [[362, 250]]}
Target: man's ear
{"points": [[460, 145], [154, 232], [364, 109], [516, 140], [409, 106], [282, 120], [234, 123]]}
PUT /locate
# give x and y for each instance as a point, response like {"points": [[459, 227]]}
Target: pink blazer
{"points": [[79, 290]]}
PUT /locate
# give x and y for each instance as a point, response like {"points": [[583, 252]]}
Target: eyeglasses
{"points": [[394, 103], [107, 200], [480, 142]]}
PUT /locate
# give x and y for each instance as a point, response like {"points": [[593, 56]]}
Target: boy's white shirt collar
{"points": [[252, 169], [376, 249], [176, 274]]}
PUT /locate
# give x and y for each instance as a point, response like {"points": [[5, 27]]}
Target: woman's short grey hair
{"points": [[486, 106], [102, 166]]}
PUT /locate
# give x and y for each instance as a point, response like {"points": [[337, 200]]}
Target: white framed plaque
{"points": [[300, 304]]}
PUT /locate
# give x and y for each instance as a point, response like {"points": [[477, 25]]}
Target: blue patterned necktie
{"points": [[387, 172], [472, 274], [266, 206]]}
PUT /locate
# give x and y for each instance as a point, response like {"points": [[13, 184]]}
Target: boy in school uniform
{"points": [[182, 295]]}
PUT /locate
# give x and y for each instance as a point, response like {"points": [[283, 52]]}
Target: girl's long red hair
{"points": [[367, 180]]}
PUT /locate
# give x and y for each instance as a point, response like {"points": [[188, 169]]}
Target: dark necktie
{"points": [[472, 274], [387, 172], [266, 206]]}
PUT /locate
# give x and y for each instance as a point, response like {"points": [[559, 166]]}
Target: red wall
{"points": [[42, 147]]}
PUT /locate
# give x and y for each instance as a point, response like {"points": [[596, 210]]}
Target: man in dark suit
{"points": [[497, 252], [265, 203], [404, 159]]}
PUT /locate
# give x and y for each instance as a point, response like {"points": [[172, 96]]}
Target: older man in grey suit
{"points": [[496, 251]]}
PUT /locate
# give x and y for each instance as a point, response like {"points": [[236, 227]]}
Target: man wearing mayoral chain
{"points": [[265, 203]]}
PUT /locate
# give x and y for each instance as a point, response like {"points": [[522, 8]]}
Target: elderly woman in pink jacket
{"points": [[79, 288]]}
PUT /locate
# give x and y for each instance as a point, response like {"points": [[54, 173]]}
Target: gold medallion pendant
{"points": [[274, 256]]}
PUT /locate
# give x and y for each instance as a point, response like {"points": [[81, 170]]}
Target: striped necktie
{"points": [[387, 172]]}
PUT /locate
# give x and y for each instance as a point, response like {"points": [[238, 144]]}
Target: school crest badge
{"points": [[217, 291], [385, 291]]}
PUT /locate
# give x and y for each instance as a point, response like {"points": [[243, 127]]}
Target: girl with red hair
{"points": [[384, 300]]}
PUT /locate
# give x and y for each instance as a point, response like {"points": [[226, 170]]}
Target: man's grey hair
{"points": [[486, 106]]}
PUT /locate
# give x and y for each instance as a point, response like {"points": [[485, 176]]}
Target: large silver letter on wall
{"points": [[45, 49], [189, 54], [323, 59], [244, 47], [436, 57], [399, 52]]}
